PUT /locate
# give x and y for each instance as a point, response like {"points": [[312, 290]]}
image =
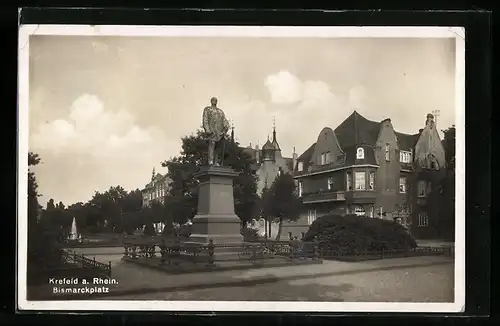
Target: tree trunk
{"points": [[280, 226]]}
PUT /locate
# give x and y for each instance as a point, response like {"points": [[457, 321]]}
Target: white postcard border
{"points": [[458, 33]]}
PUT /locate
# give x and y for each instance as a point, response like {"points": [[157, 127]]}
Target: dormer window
{"points": [[325, 158], [360, 153], [387, 152], [300, 166]]}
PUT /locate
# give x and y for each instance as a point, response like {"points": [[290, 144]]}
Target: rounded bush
{"points": [[351, 233]]}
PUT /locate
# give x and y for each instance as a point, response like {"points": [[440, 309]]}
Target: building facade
{"points": [[367, 168], [156, 189], [269, 162]]}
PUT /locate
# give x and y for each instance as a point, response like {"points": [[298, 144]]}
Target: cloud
{"points": [[284, 87], [92, 136], [357, 96], [303, 107]]}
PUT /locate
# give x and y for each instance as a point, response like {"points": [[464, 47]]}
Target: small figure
{"points": [[216, 126]]}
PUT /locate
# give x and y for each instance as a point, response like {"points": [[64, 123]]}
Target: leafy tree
{"points": [[449, 148], [50, 204], [33, 205], [184, 187], [447, 216], [281, 201], [108, 206]]}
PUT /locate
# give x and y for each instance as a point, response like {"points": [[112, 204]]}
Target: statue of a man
{"points": [[216, 125]]}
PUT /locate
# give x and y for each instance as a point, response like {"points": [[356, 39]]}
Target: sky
{"points": [[105, 111]]}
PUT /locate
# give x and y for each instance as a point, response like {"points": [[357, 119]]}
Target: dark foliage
{"points": [[184, 191], [351, 233], [249, 234]]}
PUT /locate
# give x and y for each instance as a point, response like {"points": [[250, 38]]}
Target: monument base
{"points": [[216, 219], [219, 229]]}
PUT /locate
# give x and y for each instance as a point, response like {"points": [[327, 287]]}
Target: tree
{"points": [[281, 201], [184, 186], [108, 208], [449, 148], [447, 215], [33, 205]]}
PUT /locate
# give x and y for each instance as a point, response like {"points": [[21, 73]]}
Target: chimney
{"points": [[257, 154], [294, 159]]}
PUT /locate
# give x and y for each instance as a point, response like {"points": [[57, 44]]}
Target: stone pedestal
{"points": [[215, 219]]}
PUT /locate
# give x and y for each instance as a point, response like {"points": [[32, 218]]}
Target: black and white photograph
{"points": [[241, 168]]}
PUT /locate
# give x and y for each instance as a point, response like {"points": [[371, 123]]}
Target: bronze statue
{"points": [[216, 126]]}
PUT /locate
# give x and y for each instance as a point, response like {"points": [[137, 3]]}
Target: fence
{"points": [[255, 253], [88, 264], [174, 253], [345, 255]]}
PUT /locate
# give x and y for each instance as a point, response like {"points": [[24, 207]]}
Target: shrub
{"points": [[351, 233], [249, 234], [185, 230]]}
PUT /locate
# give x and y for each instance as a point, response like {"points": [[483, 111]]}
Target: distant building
{"points": [[366, 168], [156, 189], [268, 162]]}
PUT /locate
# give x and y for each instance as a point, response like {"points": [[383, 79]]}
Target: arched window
{"points": [[360, 153]]}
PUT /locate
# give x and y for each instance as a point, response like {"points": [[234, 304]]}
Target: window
{"points": [[422, 188], [423, 219], [387, 152], [360, 153], [300, 188], [329, 158], [311, 216], [402, 185], [372, 210], [349, 181], [325, 158], [330, 183], [359, 211], [360, 181], [300, 166], [405, 157], [372, 181]]}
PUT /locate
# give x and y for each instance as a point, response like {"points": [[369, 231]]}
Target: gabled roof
{"points": [[306, 156], [357, 130]]}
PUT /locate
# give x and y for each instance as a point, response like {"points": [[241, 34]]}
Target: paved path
{"points": [[434, 243], [413, 279], [417, 279], [421, 284]]}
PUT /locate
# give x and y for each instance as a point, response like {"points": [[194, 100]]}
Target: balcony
{"points": [[323, 196], [317, 169], [361, 196]]}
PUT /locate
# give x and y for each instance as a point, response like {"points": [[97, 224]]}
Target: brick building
{"points": [[367, 168]]}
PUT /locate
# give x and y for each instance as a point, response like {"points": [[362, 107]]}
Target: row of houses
{"points": [[361, 167]]}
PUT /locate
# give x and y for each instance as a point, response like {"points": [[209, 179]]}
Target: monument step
{"points": [[234, 256]]}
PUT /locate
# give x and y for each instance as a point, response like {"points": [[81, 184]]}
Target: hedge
{"points": [[351, 234]]}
